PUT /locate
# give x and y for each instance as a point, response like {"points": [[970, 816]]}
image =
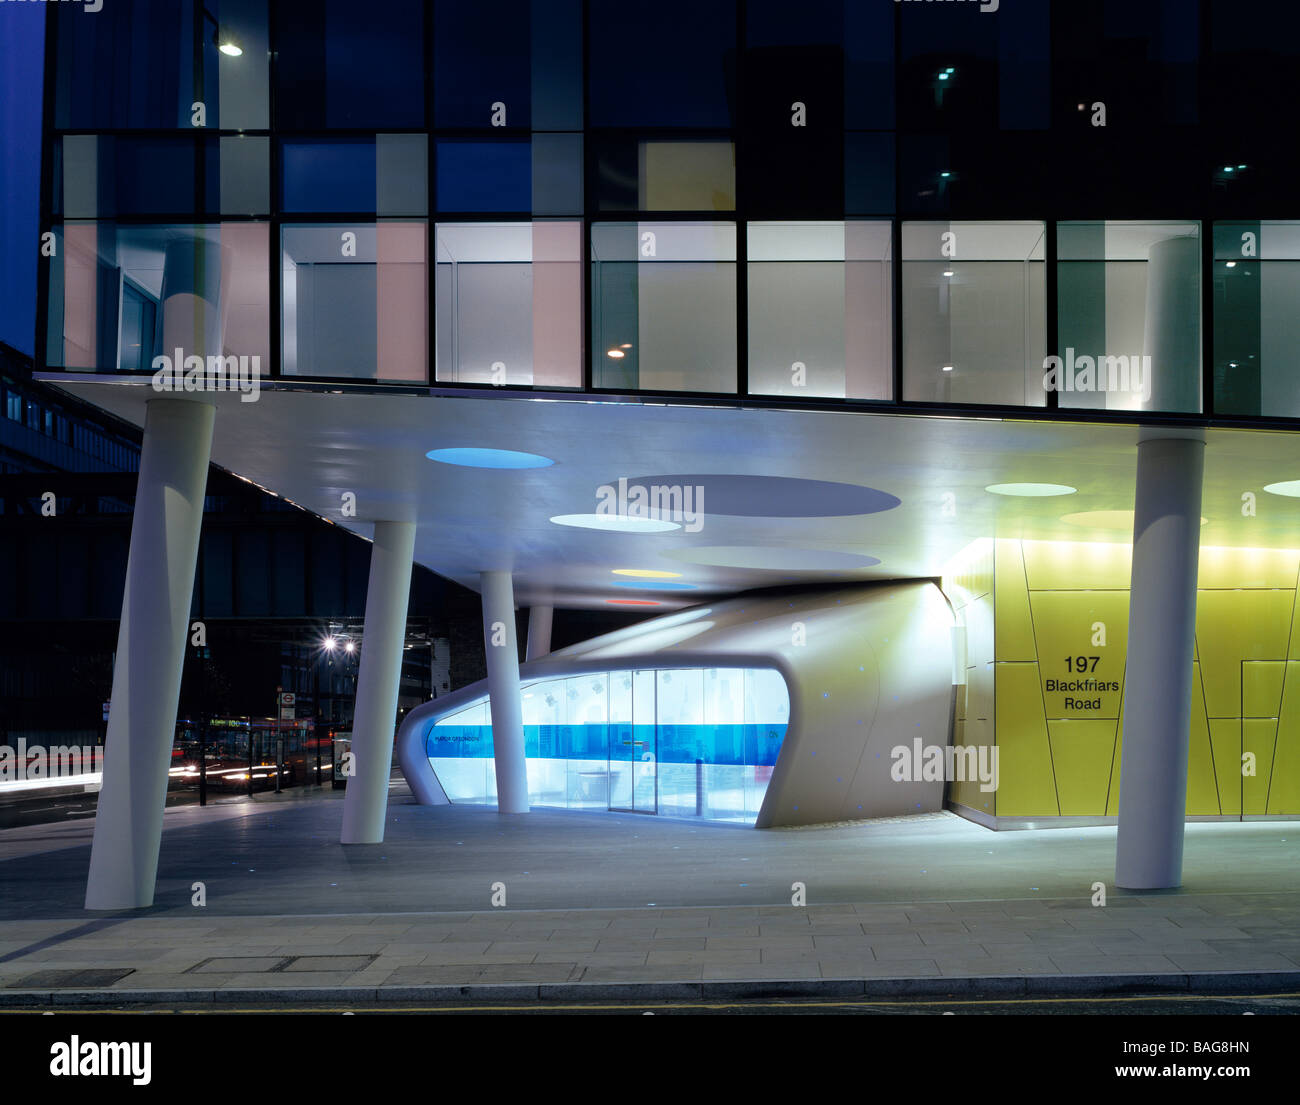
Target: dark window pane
{"points": [[145, 63], [343, 64], [100, 176], [661, 63], [481, 59], [869, 173], [484, 175]]}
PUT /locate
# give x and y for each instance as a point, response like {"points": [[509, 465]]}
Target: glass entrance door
{"points": [[633, 745]]}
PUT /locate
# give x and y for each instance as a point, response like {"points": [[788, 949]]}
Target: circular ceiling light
{"points": [[631, 602], [1289, 488], [615, 523], [655, 585], [646, 573], [1031, 490], [230, 50], [617, 354], [488, 458]]}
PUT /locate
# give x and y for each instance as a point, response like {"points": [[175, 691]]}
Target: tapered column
{"points": [[502, 650], [539, 631], [150, 653], [1158, 676], [365, 802]]}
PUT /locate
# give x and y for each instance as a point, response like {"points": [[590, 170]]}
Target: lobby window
{"points": [[122, 295], [146, 64], [661, 63], [509, 303], [663, 306], [354, 300], [1129, 316], [665, 175], [1256, 280], [340, 64], [820, 309], [512, 64], [974, 312]]}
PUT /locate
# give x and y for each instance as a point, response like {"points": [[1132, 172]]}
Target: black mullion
{"points": [[589, 192], [1204, 69], [430, 204], [275, 247], [1051, 295], [896, 224], [742, 212], [45, 215]]}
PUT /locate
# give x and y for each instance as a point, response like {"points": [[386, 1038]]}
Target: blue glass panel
{"points": [[329, 175], [484, 175]]}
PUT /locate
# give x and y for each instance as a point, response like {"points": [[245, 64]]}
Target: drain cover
{"points": [[71, 979]]}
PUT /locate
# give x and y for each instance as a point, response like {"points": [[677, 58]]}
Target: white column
{"points": [[150, 653], [365, 801], [1172, 334], [1158, 676], [502, 648], [539, 631]]}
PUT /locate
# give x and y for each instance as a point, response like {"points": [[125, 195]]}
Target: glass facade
{"points": [[686, 742], [916, 203]]}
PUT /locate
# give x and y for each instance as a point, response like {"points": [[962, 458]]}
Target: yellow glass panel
{"points": [[1077, 565], [1081, 754], [1202, 785], [1027, 786], [1284, 786], [1261, 688], [1258, 736], [1081, 680], [1225, 737], [1224, 568], [1232, 626], [1014, 633]]}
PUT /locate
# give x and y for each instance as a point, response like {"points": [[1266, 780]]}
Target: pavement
{"points": [[607, 905]]}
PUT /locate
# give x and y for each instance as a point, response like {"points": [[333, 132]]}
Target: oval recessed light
{"points": [[655, 585], [615, 523], [632, 602], [1289, 488], [646, 573], [617, 354], [230, 50], [488, 458], [1031, 490]]}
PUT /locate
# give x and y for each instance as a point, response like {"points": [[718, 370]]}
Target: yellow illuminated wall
{"points": [[1047, 625]]}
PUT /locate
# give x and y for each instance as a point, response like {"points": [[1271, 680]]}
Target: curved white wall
{"points": [[868, 668]]}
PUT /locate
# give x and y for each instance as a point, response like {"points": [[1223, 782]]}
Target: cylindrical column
{"points": [[1172, 337], [374, 717], [502, 650], [539, 631], [1158, 676], [150, 653]]}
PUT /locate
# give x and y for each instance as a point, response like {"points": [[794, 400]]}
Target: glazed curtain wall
{"points": [[1047, 624], [683, 742]]}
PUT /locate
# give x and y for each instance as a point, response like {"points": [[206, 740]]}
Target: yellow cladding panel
{"points": [[1284, 789], [1081, 754], [1257, 736], [1202, 782], [1261, 688], [1225, 736], [1026, 783], [1223, 569], [1232, 626], [1066, 624], [959, 693], [977, 734], [1014, 633], [1077, 565]]}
